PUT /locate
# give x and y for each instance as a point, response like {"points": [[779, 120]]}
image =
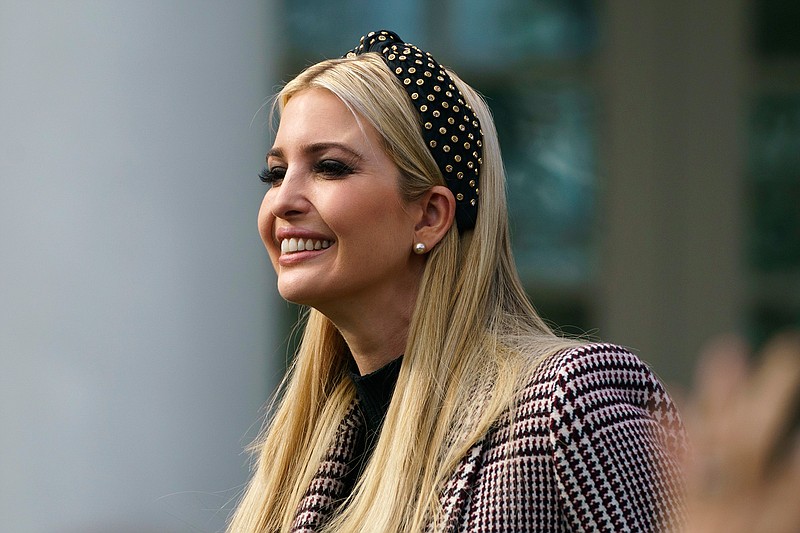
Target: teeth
{"points": [[299, 245]]}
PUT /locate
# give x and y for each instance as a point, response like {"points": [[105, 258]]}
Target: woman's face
{"points": [[337, 231]]}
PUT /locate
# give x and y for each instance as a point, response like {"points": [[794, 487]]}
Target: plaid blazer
{"points": [[592, 448]]}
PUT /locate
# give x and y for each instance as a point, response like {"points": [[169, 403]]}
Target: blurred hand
{"points": [[744, 476]]}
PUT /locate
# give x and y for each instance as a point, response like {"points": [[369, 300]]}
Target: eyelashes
{"points": [[333, 168], [271, 176], [327, 168]]}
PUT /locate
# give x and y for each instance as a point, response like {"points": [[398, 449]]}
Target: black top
{"points": [[374, 392]]}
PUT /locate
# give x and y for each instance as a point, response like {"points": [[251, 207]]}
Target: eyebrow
{"points": [[316, 148]]}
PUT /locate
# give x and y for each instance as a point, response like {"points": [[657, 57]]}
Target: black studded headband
{"points": [[449, 126]]}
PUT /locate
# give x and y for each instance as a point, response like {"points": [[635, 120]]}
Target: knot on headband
{"points": [[450, 128]]}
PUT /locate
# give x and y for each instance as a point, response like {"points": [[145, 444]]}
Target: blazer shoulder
{"points": [[597, 357], [597, 371], [594, 364]]}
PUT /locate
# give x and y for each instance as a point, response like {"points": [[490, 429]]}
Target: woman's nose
{"points": [[289, 197]]}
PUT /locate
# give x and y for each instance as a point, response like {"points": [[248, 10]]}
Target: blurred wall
{"points": [[135, 332]]}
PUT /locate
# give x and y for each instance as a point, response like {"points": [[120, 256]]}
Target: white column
{"points": [[136, 333]]}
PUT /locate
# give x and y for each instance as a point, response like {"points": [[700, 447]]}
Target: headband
{"points": [[449, 126]]}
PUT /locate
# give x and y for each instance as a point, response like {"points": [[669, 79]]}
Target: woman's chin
{"points": [[297, 293], [292, 296]]}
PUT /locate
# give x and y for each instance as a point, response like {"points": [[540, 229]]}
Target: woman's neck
{"points": [[375, 340], [375, 329]]}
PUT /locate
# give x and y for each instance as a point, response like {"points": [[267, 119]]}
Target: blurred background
{"points": [[653, 157]]}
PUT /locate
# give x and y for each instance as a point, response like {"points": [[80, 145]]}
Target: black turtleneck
{"points": [[374, 392]]}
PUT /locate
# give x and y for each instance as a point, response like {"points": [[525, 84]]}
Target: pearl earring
{"points": [[420, 248]]}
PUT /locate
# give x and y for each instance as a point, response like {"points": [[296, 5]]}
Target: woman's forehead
{"points": [[317, 117]]}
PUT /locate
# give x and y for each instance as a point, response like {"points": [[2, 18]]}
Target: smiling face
{"points": [[338, 233]]}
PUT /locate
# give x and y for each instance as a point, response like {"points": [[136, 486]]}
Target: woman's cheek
{"points": [[265, 225]]}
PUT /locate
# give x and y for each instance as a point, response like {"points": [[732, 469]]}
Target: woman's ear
{"points": [[438, 209]]}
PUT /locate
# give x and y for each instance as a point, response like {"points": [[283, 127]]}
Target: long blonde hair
{"points": [[474, 338]]}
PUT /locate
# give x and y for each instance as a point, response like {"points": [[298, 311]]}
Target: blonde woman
{"points": [[427, 395]]}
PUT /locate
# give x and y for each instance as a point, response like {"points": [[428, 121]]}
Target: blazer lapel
{"points": [[457, 494], [330, 486]]}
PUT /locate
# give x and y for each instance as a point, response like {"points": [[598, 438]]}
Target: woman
{"points": [[426, 393]]}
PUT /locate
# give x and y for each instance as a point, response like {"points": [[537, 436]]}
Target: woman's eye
{"points": [[272, 176], [332, 168]]}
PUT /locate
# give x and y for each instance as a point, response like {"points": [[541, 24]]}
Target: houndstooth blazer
{"points": [[591, 449]]}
